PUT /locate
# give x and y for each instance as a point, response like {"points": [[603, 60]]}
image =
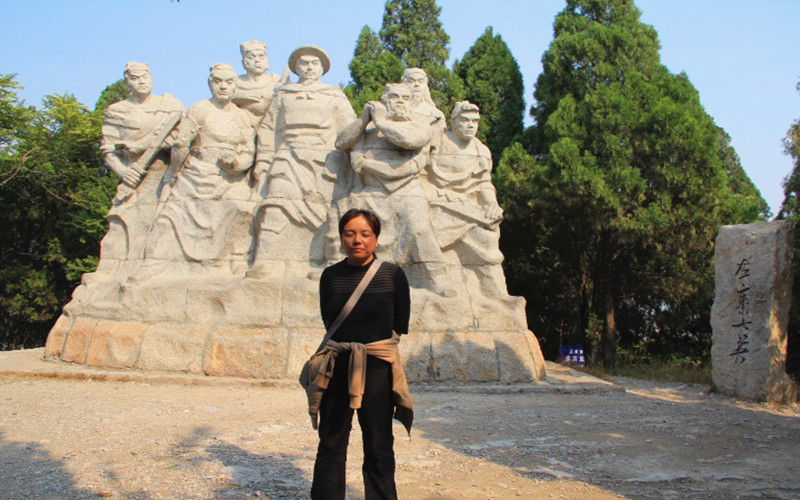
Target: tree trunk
{"points": [[609, 341], [583, 327]]}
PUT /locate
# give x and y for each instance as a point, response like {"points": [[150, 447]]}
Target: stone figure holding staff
{"points": [[136, 144]]}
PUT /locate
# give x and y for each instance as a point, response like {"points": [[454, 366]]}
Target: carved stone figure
{"points": [[464, 210], [423, 106], [203, 220], [389, 151], [135, 146], [297, 165], [255, 88]]}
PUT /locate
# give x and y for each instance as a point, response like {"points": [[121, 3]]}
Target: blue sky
{"points": [[742, 56]]}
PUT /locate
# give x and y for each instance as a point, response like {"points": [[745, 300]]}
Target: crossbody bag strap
{"points": [[351, 302]]}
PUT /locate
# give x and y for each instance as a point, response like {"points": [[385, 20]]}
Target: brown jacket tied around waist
{"points": [[321, 371]]}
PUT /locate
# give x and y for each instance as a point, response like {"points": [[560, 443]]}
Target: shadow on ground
{"points": [[671, 440], [24, 467], [271, 475]]}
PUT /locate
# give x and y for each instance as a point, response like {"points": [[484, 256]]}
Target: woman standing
{"points": [[367, 371]]}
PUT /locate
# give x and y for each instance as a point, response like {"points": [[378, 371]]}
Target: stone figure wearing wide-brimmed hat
{"points": [[297, 166], [255, 88]]}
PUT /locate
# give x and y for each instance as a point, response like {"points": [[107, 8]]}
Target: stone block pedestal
{"points": [[248, 328], [278, 353]]}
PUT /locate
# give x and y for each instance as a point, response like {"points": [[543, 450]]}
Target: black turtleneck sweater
{"points": [[383, 307]]}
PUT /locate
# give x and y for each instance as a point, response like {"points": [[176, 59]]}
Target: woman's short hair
{"points": [[372, 219]]}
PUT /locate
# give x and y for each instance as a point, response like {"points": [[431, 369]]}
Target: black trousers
{"points": [[336, 421]]}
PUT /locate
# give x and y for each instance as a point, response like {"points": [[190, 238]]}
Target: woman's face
{"points": [[359, 241]]}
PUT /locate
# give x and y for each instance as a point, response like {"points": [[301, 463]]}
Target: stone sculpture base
{"points": [[249, 328], [751, 312]]}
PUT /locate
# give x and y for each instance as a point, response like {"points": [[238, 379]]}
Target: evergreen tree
{"points": [[493, 81], [790, 210], [55, 194], [412, 31], [746, 202], [117, 91], [632, 188], [536, 262], [372, 67]]}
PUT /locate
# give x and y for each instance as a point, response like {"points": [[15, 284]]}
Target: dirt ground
{"points": [[69, 439]]}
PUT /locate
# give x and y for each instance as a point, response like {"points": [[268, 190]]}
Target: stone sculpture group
{"points": [[227, 214]]}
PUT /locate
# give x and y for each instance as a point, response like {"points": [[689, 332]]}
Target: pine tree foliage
{"points": [[746, 202], [55, 193], [493, 81], [372, 67], [412, 31], [117, 91], [790, 210], [630, 191]]}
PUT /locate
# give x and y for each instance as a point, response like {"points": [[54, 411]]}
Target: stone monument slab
{"points": [[751, 311]]}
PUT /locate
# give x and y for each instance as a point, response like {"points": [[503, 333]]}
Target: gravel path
{"points": [[163, 439]]}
